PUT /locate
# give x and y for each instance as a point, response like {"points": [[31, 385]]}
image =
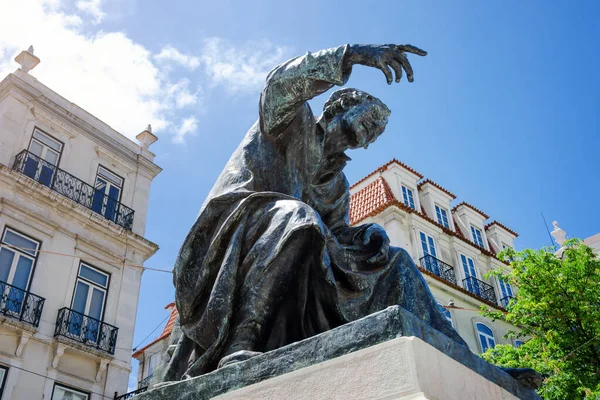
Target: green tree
{"points": [[557, 310]]}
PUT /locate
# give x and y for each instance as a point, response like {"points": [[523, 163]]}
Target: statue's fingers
{"points": [[386, 71], [401, 57], [397, 67], [407, 48]]}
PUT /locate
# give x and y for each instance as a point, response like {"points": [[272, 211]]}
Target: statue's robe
{"points": [[272, 247]]}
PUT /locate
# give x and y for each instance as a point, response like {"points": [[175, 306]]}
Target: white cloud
{"points": [[106, 73], [241, 69], [169, 53], [119, 80], [187, 126], [91, 7]]}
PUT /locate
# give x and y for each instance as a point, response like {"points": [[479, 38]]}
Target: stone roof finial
{"points": [[27, 60], [146, 137], [558, 234]]}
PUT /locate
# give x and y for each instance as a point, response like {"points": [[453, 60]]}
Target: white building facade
{"points": [[73, 201], [453, 246]]}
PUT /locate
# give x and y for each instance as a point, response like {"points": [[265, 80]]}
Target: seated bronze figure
{"points": [[271, 258]]}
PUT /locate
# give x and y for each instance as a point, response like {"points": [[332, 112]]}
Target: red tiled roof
{"points": [[371, 200], [377, 196], [449, 193], [166, 331], [385, 166], [503, 227], [477, 210]]}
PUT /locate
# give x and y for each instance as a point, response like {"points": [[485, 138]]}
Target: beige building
{"points": [[73, 201], [453, 246]]}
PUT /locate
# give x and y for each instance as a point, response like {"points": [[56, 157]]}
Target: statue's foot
{"points": [[526, 376], [238, 356]]}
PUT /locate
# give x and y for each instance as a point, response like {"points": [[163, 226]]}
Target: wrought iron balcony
{"points": [[480, 289], [505, 300], [87, 330], [20, 304], [143, 383], [130, 395], [439, 268], [75, 189]]}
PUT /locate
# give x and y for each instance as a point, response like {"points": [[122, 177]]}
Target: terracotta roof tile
{"points": [[449, 193], [166, 330], [503, 227], [371, 200], [385, 166], [477, 210]]}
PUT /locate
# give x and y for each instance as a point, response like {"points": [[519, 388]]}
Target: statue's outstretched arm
{"points": [[300, 79]]}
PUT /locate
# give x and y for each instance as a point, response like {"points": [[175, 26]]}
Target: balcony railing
{"points": [[143, 383], [20, 304], [75, 189], [130, 395], [505, 300], [87, 330], [439, 268], [480, 289]]}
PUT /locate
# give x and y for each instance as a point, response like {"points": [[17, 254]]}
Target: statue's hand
{"points": [[376, 238], [384, 57]]}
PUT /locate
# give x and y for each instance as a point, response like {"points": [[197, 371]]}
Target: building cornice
{"points": [[74, 124], [432, 183], [477, 210], [385, 167], [515, 234], [84, 216]]}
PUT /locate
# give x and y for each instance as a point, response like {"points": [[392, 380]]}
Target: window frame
{"points": [[71, 388], [476, 229], [467, 258], [479, 333], [34, 257], [110, 181], [4, 378], [92, 283], [408, 199], [62, 144], [439, 208]]}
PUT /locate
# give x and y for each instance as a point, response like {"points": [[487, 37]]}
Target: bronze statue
{"points": [[271, 258]]}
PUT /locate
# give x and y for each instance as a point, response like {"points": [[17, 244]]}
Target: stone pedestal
{"points": [[387, 355]]}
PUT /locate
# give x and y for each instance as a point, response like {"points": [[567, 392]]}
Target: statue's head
{"points": [[354, 118]]}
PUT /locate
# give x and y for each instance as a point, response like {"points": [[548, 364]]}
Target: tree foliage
{"points": [[557, 310]]}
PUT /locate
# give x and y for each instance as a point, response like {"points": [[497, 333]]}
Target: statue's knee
{"points": [[298, 212]]}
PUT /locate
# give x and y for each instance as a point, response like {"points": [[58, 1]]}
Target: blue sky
{"points": [[503, 111]]}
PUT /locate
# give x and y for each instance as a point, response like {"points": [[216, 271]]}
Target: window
{"points": [[429, 253], [446, 313], [407, 195], [153, 362], [518, 343], [61, 392], [506, 292], [470, 272], [3, 373], [44, 153], [442, 216], [477, 237], [17, 259], [88, 302], [108, 193], [486, 336]]}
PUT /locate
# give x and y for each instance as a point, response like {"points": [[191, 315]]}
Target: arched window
{"points": [[446, 313], [486, 336]]}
